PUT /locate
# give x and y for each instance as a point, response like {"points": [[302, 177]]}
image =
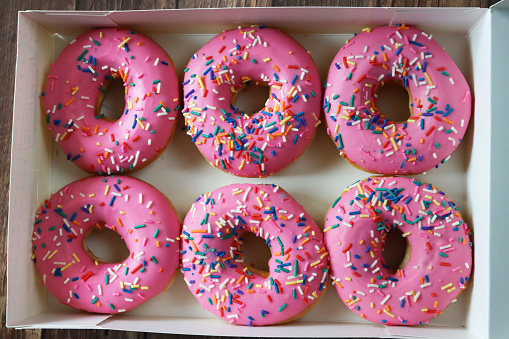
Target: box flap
{"points": [[210, 326], [431, 332], [503, 4], [69, 319], [499, 232]]}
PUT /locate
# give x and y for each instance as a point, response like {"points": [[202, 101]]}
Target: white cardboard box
{"points": [[476, 39]]}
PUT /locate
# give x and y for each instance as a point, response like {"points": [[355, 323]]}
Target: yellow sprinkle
{"points": [[282, 122], [348, 279], [259, 201], [66, 266], [354, 301], [394, 144], [446, 286], [238, 192], [323, 255], [451, 289], [327, 229], [406, 234], [76, 257], [241, 164], [139, 122], [124, 42], [389, 313], [107, 190], [245, 55], [429, 79], [294, 282], [360, 188], [52, 254], [266, 60]]}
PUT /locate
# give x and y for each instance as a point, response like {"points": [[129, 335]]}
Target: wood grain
{"points": [[8, 18]]}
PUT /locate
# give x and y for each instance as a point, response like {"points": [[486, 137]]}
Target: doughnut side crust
{"points": [[77, 83], [251, 144], [440, 101], [440, 260], [138, 212], [213, 263]]}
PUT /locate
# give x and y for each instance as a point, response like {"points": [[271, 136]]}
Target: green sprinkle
{"points": [[95, 300], [281, 308], [209, 62], [112, 307], [96, 42], [156, 81], [442, 254], [210, 301], [254, 61], [153, 259], [139, 226], [156, 232], [335, 202], [107, 278], [82, 55]]}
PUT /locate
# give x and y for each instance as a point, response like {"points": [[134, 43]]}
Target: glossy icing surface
{"points": [[440, 261], [80, 76], [138, 212], [262, 143], [212, 257], [440, 101]]}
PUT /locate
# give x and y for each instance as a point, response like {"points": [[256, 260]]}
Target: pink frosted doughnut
{"points": [[212, 257], [437, 264], [138, 212], [75, 89], [440, 101], [271, 139]]}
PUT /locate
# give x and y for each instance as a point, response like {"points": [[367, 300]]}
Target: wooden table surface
{"points": [[8, 20]]}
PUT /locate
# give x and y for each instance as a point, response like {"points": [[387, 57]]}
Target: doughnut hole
{"points": [[256, 253], [251, 98], [105, 245], [396, 251], [110, 105], [393, 100]]}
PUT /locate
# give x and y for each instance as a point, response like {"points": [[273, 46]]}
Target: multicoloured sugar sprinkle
{"points": [[213, 264], [76, 278], [72, 100], [440, 101], [439, 263], [267, 141]]}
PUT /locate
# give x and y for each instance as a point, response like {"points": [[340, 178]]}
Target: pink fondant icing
{"points": [[212, 258], [440, 262], [440, 100], [138, 212], [78, 77], [262, 143]]}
